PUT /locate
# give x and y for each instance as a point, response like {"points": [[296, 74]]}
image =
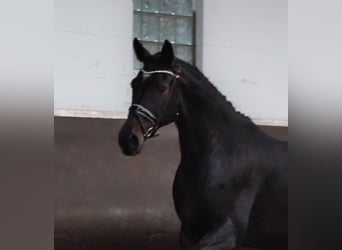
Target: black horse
{"points": [[230, 189]]}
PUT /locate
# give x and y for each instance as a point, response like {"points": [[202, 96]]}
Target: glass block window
{"points": [[157, 20]]}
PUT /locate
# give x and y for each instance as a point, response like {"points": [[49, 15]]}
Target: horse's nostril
{"points": [[133, 143], [133, 138], [129, 142]]}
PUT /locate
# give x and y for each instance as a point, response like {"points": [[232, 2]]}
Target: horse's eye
{"points": [[134, 83], [162, 89]]}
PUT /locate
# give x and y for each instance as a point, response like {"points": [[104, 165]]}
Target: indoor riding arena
{"points": [[117, 156]]}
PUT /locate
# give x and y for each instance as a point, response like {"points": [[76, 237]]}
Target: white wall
{"points": [[93, 62], [245, 54], [243, 47]]}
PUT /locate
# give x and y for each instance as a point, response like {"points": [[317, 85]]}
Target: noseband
{"points": [[143, 113]]}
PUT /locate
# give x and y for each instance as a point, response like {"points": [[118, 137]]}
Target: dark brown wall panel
{"points": [[105, 200]]}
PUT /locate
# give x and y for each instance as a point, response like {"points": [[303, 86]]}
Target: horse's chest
{"points": [[199, 196]]}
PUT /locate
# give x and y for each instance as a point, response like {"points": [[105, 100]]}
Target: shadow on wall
{"points": [[105, 200]]}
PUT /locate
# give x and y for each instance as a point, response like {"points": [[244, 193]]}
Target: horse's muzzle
{"points": [[130, 142]]}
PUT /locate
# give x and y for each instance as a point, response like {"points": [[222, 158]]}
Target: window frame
{"points": [[140, 12]]}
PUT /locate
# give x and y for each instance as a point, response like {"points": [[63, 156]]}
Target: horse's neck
{"points": [[204, 119]]}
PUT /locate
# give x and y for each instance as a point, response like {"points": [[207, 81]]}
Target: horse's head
{"points": [[154, 98]]}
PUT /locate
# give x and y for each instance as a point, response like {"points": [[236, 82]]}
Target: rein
{"points": [[143, 113]]}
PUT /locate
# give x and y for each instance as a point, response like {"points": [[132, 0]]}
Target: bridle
{"points": [[143, 113]]}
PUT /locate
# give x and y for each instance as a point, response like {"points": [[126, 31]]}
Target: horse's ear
{"points": [[140, 51], [167, 52]]}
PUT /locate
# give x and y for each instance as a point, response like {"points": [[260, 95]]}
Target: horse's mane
{"points": [[203, 84]]}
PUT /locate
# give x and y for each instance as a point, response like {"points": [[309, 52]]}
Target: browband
{"points": [[159, 71]]}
